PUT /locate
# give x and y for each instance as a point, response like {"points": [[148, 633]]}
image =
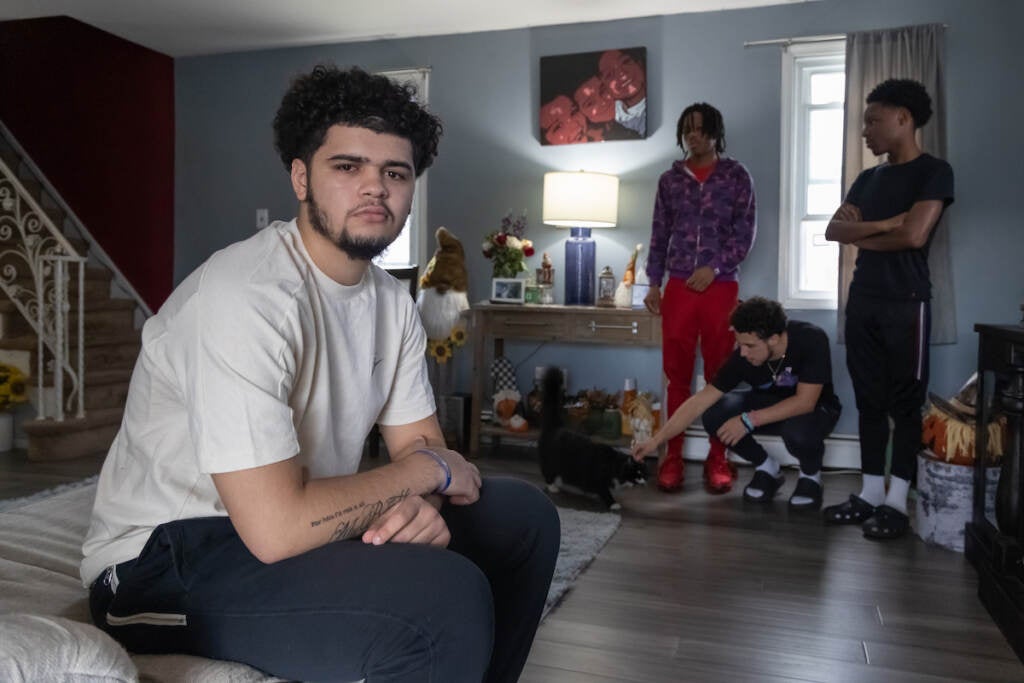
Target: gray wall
{"points": [[485, 86]]}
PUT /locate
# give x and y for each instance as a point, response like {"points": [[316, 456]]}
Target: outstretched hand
{"points": [[644, 448]]}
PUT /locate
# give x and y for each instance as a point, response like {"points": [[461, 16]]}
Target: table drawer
{"points": [[621, 328], [516, 325]]}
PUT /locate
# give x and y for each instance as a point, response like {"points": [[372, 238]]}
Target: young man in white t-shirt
{"points": [[231, 520]]}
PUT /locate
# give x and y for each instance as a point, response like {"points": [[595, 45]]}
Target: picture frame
{"points": [[593, 96], [508, 290]]}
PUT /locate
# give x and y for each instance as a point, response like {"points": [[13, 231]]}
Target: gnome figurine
{"points": [[443, 296], [624, 292]]}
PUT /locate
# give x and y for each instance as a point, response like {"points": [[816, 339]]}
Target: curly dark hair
{"points": [[759, 315], [711, 122], [352, 97], [904, 92]]}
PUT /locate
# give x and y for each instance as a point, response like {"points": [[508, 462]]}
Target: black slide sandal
{"points": [[765, 483]]}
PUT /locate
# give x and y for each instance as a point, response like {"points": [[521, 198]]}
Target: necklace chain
{"points": [[775, 371]]}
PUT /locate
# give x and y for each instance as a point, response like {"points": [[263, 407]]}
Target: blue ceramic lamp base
{"points": [[580, 252]]}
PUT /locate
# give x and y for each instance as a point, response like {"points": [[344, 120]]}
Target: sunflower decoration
{"points": [[13, 389], [439, 349], [458, 336]]}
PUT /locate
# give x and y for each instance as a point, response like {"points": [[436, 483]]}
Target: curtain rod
{"points": [[786, 42]]}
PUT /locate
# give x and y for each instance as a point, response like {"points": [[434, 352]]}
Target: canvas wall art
{"points": [[593, 96]]}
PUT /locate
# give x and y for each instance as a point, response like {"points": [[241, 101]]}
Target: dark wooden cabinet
{"points": [[994, 541]]}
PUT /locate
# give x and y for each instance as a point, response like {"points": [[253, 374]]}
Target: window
{"points": [[813, 94], [410, 247]]}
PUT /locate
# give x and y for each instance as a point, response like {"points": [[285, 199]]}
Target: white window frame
{"points": [[798, 62], [416, 224]]}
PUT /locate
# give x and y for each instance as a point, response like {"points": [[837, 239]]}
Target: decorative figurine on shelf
{"points": [[546, 273], [606, 287], [641, 418], [624, 292], [443, 297], [506, 395], [546, 280]]}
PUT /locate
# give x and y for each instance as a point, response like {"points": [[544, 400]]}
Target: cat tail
{"points": [[551, 405]]}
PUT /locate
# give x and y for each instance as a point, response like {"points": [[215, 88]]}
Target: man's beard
{"points": [[358, 248]]}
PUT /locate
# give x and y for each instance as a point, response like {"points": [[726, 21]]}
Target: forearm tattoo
{"points": [[355, 519]]}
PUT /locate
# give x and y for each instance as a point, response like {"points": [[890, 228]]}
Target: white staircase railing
{"points": [[33, 247]]}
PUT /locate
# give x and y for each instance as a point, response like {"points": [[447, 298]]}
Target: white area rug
{"points": [[583, 535]]}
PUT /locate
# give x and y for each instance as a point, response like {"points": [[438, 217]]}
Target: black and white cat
{"points": [[570, 460]]}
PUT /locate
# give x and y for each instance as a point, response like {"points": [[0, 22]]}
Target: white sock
{"points": [[771, 466], [897, 495], [804, 500], [873, 489]]}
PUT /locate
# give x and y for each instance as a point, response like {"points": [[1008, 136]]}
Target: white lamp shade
{"points": [[580, 199]]}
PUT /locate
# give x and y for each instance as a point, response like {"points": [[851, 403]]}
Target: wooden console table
{"points": [[995, 543], [562, 324]]}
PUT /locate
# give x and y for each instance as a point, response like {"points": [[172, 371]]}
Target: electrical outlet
{"points": [[262, 218]]}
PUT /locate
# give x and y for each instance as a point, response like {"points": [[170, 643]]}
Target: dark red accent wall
{"points": [[96, 114]]}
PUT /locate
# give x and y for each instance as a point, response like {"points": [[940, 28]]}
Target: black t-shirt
{"points": [[883, 192], [807, 360]]}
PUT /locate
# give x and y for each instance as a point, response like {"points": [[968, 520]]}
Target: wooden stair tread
{"points": [[91, 273], [92, 304], [93, 378], [28, 342], [99, 417]]}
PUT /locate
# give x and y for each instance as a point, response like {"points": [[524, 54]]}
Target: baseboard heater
{"points": [[842, 451]]}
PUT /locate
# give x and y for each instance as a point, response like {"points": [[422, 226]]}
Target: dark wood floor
{"points": [[695, 587]]}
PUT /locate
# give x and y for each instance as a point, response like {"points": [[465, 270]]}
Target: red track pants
{"points": [[687, 317]]}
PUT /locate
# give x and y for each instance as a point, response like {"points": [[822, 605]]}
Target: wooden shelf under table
{"points": [[594, 325]]}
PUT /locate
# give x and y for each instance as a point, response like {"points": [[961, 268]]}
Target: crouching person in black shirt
{"points": [[788, 366]]}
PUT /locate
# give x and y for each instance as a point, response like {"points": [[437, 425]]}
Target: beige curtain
{"points": [[871, 57]]}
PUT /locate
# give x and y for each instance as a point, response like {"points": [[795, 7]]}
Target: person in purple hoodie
{"points": [[704, 224]]}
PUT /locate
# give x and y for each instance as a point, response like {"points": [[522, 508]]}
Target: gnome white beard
{"points": [[440, 312]]}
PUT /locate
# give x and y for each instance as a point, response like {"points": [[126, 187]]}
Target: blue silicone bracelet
{"points": [[747, 422], [444, 465]]}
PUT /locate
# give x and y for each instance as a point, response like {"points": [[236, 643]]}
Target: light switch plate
{"points": [[262, 218]]}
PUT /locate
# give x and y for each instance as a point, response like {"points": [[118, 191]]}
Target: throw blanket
{"points": [[45, 630]]}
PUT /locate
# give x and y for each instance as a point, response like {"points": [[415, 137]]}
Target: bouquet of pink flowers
{"points": [[507, 247]]}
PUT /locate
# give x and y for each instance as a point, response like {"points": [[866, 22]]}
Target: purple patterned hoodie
{"points": [[698, 225]]}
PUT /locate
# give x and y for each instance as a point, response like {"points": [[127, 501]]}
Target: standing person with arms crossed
{"points": [[704, 224], [890, 213], [231, 520]]}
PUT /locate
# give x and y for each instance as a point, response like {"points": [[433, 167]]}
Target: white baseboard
{"points": [[842, 451]]}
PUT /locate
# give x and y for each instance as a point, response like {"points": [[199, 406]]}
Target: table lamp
{"points": [[580, 201]]}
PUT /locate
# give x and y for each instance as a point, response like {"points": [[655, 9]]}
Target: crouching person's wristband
{"points": [[444, 466], [747, 422]]}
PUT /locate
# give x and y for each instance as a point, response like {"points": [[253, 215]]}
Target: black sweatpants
{"points": [[346, 610], [803, 435], [887, 357]]}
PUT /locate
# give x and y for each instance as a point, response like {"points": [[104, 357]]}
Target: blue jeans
{"points": [[347, 610]]}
